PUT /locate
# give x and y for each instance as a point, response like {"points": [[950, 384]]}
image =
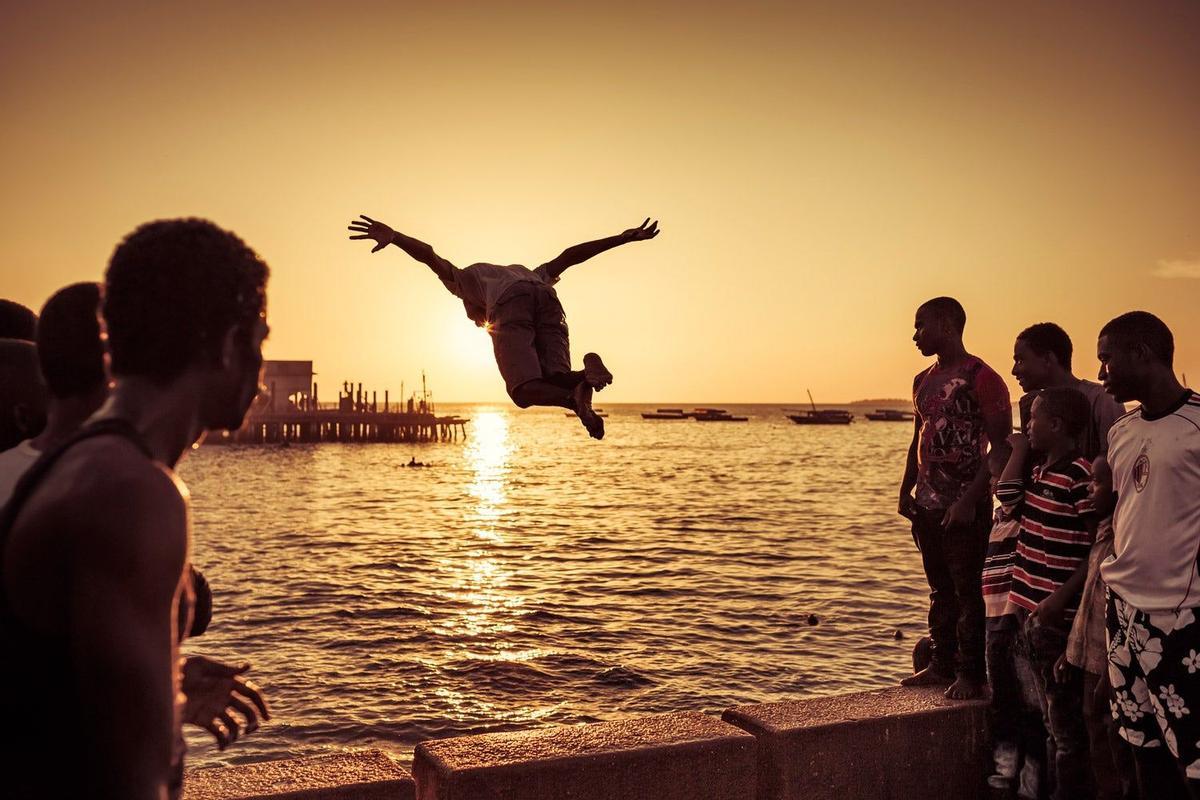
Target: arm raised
{"points": [[383, 234], [579, 253]]}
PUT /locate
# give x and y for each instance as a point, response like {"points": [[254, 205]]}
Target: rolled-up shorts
{"points": [[529, 335]]}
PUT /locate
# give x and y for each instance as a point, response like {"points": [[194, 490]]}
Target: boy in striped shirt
{"points": [[1014, 711], [1057, 530]]}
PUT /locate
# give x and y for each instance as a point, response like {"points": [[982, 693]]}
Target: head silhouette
{"points": [[939, 322], [185, 295], [17, 321], [69, 344], [1133, 349]]}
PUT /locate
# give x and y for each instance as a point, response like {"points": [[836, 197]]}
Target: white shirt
{"points": [[1156, 525], [13, 463], [482, 286]]}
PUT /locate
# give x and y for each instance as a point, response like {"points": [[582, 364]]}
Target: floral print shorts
{"points": [[1154, 666]]}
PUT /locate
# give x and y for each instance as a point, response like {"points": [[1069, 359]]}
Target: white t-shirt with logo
{"points": [[1156, 525], [13, 463]]}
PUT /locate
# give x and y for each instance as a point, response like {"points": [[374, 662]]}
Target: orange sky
{"points": [[817, 170]]}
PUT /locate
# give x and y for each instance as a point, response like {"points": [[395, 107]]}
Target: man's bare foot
{"points": [[964, 688], [595, 373], [583, 407], [930, 676]]}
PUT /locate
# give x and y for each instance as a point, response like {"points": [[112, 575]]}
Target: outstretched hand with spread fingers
{"points": [[214, 690], [646, 230], [368, 228]]}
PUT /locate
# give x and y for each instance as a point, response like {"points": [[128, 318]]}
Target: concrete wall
{"points": [[365, 775], [687, 756], [893, 743]]}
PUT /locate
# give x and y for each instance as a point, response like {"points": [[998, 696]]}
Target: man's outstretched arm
{"points": [[383, 234], [582, 252]]}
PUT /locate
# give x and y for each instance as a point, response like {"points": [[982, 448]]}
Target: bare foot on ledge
{"points": [[930, 676], [965, 688]]}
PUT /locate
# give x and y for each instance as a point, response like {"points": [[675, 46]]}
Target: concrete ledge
{"points": [[365, 775], [687, 756], [894, 743]]}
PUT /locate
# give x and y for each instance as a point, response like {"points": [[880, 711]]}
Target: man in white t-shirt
{"points": [[1154, 587], [520, 310]]}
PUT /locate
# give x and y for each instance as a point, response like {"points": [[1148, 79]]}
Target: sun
{"points": [[466, 346]]}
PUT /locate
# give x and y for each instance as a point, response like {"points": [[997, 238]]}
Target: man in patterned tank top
{"points": [[961, 405]]}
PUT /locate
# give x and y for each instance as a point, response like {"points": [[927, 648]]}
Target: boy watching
{"points": [[1057, 530], [1014, 713]]}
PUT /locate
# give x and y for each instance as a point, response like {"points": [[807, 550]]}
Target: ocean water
{"points": [[535, 577]]}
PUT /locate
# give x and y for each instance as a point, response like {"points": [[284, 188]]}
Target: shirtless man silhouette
{"points": [[94, 544]]}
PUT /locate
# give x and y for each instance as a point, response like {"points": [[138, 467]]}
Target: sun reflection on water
{"points": [[487, 455], [478, 577]]}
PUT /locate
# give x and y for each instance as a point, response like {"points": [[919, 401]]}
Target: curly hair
{"points": [[17, 321], [1046, 337], [1142, 328], [172, 290], [949, 309], [1069, 405], [70, 350]]}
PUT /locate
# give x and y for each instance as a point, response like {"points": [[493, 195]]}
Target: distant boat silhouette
{"points": [[714, 415], [666, 413], [828, 416], [890, 415]]}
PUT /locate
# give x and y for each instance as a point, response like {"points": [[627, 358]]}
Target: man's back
{"points": [[92, 567], [482, 286]]}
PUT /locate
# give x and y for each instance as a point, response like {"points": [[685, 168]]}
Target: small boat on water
{"points": [[666, 413], [890, 415], [824, 416], [718, 417], [829, 416]]}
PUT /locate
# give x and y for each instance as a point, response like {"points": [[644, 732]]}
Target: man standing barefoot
{"points": [[520, 310], [961, 405]]}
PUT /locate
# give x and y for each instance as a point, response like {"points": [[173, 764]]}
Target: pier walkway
{"points": [[336, 425]]}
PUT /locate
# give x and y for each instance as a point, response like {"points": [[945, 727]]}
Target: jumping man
{"points": [[520, 310]]}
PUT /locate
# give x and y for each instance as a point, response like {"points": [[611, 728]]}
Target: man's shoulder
{"points": [[111, 509], [923, 374], [983, 370], [18, 458], [106, 479], [1190, 410], [1098, 395], [1124, 424]]}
